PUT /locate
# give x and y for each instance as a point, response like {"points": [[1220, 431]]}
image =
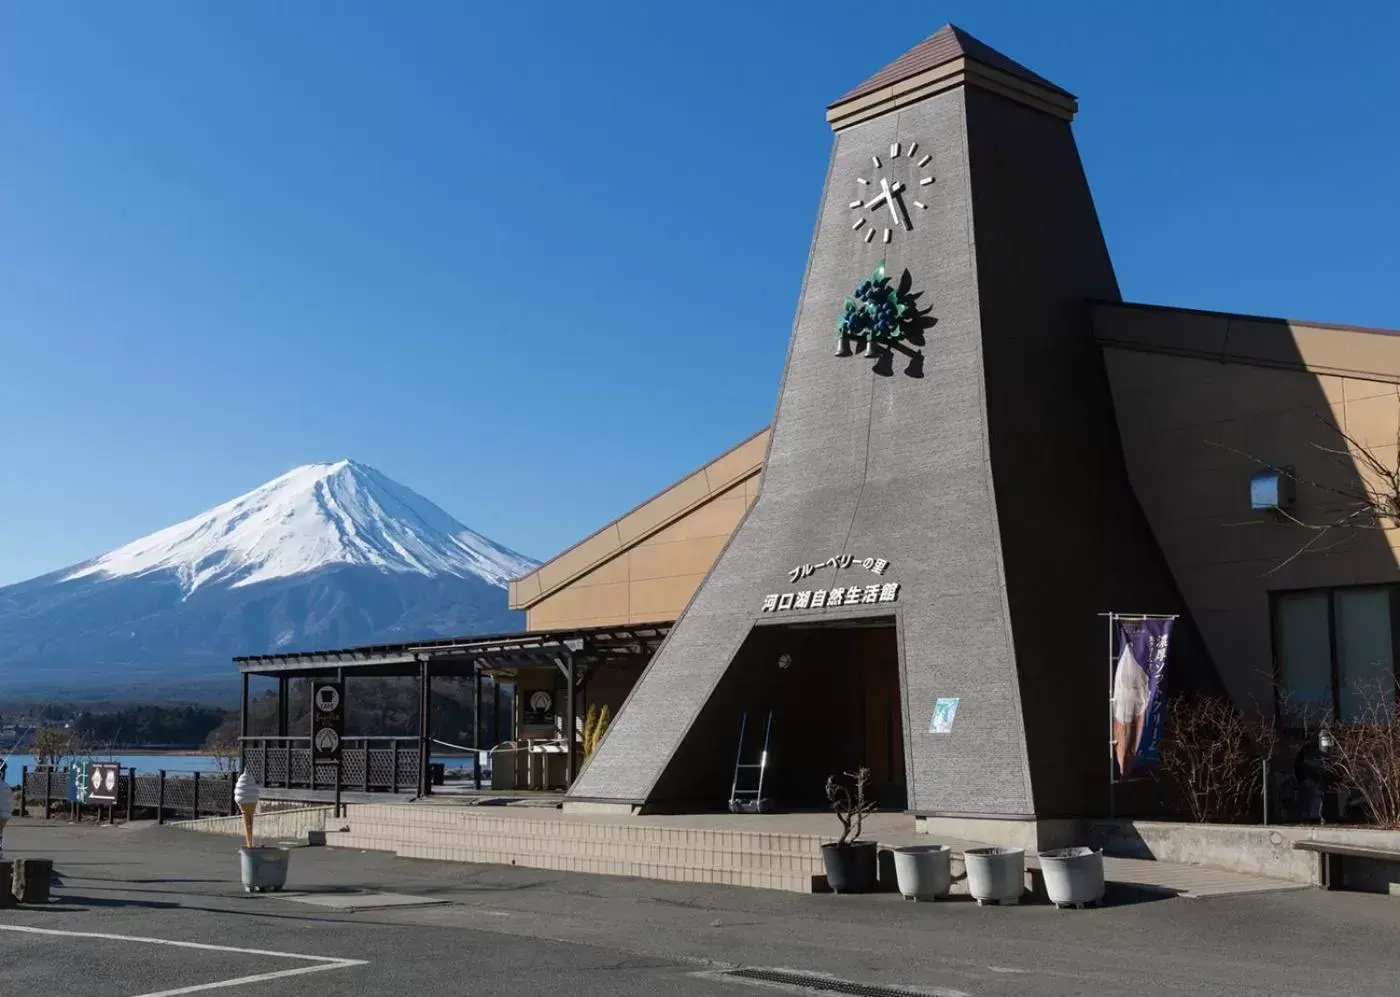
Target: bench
{"points": [[1331, 853]]}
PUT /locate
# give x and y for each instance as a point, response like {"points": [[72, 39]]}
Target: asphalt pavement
{"points": [[141, 911]]}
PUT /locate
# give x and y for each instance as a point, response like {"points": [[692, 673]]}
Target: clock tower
{"points": [[963, 445]]}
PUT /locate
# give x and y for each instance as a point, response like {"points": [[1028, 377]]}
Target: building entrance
{"points": [[834, 694]]}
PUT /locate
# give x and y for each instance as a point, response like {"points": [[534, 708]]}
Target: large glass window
{"points": [[1334, 653]]}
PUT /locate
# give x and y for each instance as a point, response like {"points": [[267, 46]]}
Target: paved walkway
{"points": [[894, 829], [515, 931], [1190, 881]]}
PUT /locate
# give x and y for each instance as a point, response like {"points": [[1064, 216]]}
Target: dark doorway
{"points": [[834, 694]]}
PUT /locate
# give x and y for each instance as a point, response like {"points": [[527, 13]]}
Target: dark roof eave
{"points": [[539, 646]]}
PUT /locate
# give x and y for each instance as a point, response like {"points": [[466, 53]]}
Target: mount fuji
{"points": [[327, 555]]}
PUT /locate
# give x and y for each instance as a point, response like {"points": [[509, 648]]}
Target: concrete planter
{"points": [[31, 880], [923, 872], [1073, 876], [995, 875], [264, 869]]}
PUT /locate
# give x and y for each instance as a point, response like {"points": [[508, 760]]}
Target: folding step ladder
{"points": [[746, 793]]}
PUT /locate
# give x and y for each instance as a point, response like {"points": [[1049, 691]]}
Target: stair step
{"points": [[520, 847]]}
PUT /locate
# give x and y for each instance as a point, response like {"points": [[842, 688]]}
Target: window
{"points": [[1334, 652]]}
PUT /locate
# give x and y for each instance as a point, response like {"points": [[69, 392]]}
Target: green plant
{"points": [[849, 804]]}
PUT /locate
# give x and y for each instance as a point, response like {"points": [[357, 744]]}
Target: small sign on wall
{"points": [[539, 709], [944, 710]]}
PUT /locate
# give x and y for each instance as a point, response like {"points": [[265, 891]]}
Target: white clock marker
{"points": [[890, 197]]}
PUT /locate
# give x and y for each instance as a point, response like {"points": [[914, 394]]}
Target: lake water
{"points": [[152, 763]]}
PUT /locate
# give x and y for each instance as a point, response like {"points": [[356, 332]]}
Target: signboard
{"points": [[327, 721], [836, 595], [103, 779], [944, 711], [1139, 692], [539, 709]]}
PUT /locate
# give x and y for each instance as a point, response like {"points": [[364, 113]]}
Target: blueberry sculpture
{"points": [[874, 315]]}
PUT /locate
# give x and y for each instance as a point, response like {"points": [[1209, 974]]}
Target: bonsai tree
{"points": [[847, 796]]}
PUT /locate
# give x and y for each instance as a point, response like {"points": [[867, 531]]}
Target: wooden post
{"points": [[130, 791], [570, 708], [196, 794], [23, 789], [243, 724], [160, 799], [425, 723], [476, 725]]}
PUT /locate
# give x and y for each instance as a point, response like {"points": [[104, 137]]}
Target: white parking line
{"points": [[322, 962]]}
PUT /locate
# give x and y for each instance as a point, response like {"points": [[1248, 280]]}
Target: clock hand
{"points": [[874, 202], [888, 195]]}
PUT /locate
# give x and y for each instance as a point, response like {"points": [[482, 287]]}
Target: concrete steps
{"points": [[790, 862]]}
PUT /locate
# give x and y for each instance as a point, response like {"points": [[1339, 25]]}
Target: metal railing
{"points": [[366, 763], [168, 793]]}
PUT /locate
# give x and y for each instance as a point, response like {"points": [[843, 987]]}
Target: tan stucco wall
{"points": [[1183, 381], [644, 567]]}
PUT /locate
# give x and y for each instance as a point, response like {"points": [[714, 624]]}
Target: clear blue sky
{"points": [[537, 261]]}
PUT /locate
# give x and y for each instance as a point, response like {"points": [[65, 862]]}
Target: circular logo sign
{"points": [[327, 698], [111, 780], [541, 701], [327, 740]]}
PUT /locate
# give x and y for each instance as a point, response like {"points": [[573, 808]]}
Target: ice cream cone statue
{"points": [[246, 794], [6, 808]]}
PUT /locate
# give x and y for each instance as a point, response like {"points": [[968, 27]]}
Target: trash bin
{"points": [[505, 759], [437, 772]]}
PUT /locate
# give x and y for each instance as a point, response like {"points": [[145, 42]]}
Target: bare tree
{"points": [[1367, 499], [222, 749], [849, 803], [54, 746], [1211, 752], [1364, 757]]}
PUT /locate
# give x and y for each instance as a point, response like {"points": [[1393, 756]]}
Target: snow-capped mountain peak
{"points": [[313, 517]]}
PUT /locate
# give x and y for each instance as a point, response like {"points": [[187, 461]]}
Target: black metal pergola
{"points": [[577, 654]]}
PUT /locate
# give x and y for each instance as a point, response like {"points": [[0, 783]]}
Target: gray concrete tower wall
{"points": [[982, 464]]}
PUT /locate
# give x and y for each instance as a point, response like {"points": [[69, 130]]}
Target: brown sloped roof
{"points": [[944, 45]]}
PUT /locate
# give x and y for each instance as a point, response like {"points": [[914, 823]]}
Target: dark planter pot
{"points": [[264, 869], [850, 868]]}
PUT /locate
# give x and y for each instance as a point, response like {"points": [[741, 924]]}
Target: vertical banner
{"points": [[1140, 692]]}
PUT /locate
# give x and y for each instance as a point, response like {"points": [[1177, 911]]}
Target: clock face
{"points": [[895, 184]]}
